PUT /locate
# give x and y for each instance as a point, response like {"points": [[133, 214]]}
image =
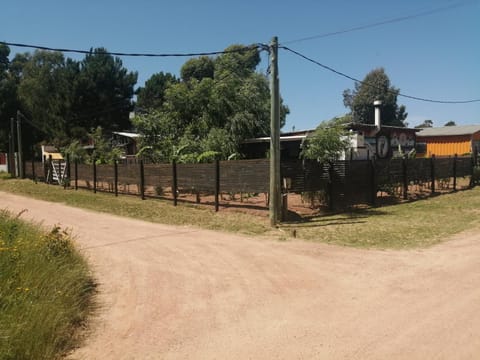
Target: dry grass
{"points": [[408, 225]]}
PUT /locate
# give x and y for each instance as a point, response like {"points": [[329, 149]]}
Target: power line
{"points": [[372, 85], [77, 51], [382, 22]]}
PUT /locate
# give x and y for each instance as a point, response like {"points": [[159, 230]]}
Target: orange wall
{"points": [[447, 145]]}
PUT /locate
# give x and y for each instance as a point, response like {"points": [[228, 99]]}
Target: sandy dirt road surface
{"points": [[183, 293]]}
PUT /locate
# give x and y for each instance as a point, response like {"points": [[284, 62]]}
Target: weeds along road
{"points": [[183, 293]]}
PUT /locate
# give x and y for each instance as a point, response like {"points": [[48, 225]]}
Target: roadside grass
{"points": [[46, 291], [153, 210], [415, 224]]}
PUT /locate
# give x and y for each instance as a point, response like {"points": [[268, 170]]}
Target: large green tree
{"points": [[44, 92], [103, 93], [375, 86], [212, 109], [8, 97], [152, 95]]}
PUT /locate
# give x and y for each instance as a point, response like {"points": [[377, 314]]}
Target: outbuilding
{"points": [[448, 140]]}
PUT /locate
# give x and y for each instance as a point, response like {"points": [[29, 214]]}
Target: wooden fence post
{"points": [[45, 169], [330, 187], [76, 173], [94, 175], [405, 178], [455, 172], [50, 169], [115, 177], [473, 163], [174, 182], [432, 173], [217, 183], [142, 180], [33, 167], [67, 172], [373, 182]]}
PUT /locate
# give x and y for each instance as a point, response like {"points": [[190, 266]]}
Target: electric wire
{"points": [[372, 85], [380, 23], [92, 51]]}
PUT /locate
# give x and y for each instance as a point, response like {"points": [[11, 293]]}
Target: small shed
{"points": [[51, 151], [450, 140]]}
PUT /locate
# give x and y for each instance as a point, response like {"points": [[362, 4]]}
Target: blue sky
{"points": [[435, 56]]}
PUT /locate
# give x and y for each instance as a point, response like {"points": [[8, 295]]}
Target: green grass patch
{"points": [[46, 291], [414, 224], [408, 225], [153, 210]]}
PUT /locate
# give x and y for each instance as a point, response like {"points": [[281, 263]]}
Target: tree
{"points": [[198, 68], [207, 116], [152, 95], [425, 124], [8, 97], [103, 93], [327, 143], [44, 92], [375, 86], [450, 123]]}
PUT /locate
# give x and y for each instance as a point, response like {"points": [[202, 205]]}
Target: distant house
{"points": [[449, 140], [50, 151], [367, 141], [127, 141]]}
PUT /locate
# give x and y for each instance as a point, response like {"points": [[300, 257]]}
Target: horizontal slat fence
{"points": [[346, 183]]}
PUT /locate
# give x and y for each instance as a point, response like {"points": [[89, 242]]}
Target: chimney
{"points": [[378, 121]]}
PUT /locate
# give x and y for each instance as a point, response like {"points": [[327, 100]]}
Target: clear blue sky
{"points": [[435, 56]]}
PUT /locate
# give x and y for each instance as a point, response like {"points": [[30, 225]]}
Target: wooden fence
{"points": [[344, 183]]}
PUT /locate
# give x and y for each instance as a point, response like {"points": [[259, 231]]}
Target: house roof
{"points": [[127, 134], [449, 130]]}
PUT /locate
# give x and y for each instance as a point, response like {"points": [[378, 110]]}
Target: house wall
{"points": [[447, 145]]}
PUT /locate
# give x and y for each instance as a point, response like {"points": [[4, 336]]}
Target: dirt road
{"points": [[183, 293]]}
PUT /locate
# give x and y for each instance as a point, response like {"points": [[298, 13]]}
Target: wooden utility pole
{"points": [[20, 149], [275, 205]]}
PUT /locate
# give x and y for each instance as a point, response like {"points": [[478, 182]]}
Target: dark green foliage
{"points": [[375, 86], [219, 103], [327, 143], [198, 68], [152, 95], [63, 98]]}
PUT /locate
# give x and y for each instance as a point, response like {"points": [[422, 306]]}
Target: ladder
{"points": [[57, 172]]}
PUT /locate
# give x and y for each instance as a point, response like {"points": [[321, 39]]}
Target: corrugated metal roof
{"points": [[127, 134], [449, 130]]}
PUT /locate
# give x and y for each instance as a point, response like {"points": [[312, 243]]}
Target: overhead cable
{"points": [[87, 52], [380, 23], [373, 85]]}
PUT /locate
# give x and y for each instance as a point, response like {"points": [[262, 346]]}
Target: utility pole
{"points": [[19, 142], [275, 190]]}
